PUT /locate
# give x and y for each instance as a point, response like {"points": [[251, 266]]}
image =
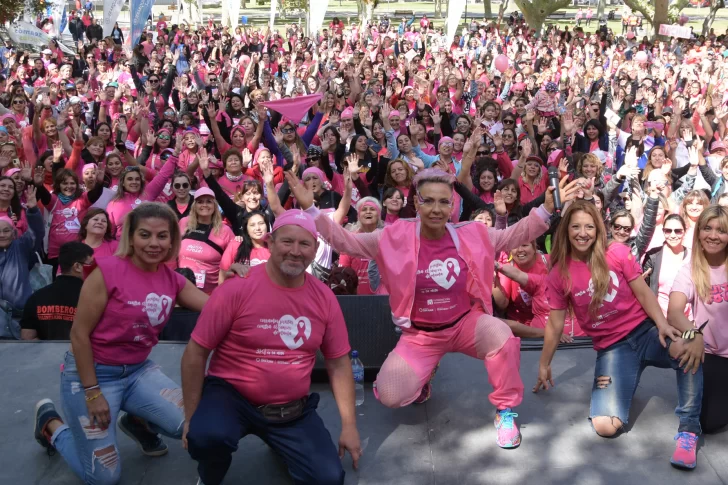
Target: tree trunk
{"points": [[438, 8], [368, 12], [487, 10], [660, 17], [708, 22], [600, 9], [502, 11]]}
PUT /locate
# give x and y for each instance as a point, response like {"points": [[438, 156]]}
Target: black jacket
{"points": [[173, 204], [638, 244], [653, 261]]}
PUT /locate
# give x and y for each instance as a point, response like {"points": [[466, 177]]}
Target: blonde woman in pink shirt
{"points": [[440, 269], [107, 375], [703, 285]]}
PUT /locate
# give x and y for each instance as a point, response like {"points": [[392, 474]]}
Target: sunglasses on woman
{"points": [[183, 185], [678, 232], [620, 228], [287, 131], [164, 137]]}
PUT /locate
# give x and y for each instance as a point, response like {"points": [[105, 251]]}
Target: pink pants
{"points": [[409, 366]]}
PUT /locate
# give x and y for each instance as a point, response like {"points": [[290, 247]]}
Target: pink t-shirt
{"points": [[139, 305], [268, 351], [202, 258], [107, 248], [521, 301], [361, 266], [536, 287], [441, 295], [231, 188], [715, 310], [620, 312], [257, 255], [65, 221], [668, 271]]}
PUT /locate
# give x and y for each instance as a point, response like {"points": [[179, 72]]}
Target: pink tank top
{"points": [[139, 306]]}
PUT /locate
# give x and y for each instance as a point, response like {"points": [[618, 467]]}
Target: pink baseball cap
{"points": [[295, 217], [348, 113], [202, 191], [7, 220]]}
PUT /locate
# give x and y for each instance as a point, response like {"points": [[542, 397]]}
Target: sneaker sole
{"points": [[36, 431], [510, 446], [147, 453], [682, 466]]}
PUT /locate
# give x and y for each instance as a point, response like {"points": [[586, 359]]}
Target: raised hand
{"points": [[303, 196], [499, 204], [353, 164], [151, 138], [30, 200]]}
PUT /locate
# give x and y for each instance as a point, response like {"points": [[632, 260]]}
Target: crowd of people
{"points": [[502, 185]]}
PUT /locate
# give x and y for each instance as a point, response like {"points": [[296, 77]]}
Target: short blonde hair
{"points": [[149, 210]]}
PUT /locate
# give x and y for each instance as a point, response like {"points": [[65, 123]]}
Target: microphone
{"points": [[554, 180]]}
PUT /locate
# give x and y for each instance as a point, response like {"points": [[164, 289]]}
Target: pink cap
{"points": [[394, 113], [315, 171], [89, 165], [445, 139], [348, 113], [716, 145], [295, 217], [202, 191], [12, 172], [8, 220]]}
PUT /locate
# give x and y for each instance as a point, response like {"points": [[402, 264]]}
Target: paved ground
{"points": [[450, 440]]}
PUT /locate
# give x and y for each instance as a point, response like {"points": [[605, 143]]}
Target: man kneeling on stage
{"points": [[265, 330]]}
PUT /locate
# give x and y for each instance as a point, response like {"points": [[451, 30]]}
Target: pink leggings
{"points": [[408, 367]]}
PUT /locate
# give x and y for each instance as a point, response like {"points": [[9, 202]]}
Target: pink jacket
{"points": [[392, 246]]}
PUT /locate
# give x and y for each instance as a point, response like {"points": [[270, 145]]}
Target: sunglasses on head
{"points": [[183, 185], [678, 232], [131, 169]]}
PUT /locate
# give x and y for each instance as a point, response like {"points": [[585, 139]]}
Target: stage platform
{"points": [[449, 440]]}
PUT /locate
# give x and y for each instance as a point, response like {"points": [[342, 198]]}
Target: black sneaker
{"points": [[150, 443], [45, 411]]}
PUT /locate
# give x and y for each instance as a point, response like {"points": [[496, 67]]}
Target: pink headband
{"points": [[394, 113], [348, 113], [366, 203], [89, 165], [11, 172], [295, 218], [445, 139], [7, 220]]}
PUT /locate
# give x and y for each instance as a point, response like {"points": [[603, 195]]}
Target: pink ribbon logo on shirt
{"points": [[294, 331], [444, 273]]}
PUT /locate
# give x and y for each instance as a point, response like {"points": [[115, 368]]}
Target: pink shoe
{"points": [[685, 455], [426, 392], [508, 434]]}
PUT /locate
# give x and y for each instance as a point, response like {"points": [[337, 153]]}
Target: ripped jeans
{"points": [[141, 390], [617, 373]]}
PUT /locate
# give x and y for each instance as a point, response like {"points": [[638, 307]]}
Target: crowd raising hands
{"points": [[558, 185]]}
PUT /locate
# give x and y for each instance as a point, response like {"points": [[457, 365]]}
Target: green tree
{"points": [[12, 10], [657, 12], [536, 11]]}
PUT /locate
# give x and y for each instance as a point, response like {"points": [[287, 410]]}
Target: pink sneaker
{"points": [[508, 434], [685, 455]]}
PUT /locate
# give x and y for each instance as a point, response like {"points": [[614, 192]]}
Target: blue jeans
{"points": [[223, 417], [619, 367], [141, 390]]}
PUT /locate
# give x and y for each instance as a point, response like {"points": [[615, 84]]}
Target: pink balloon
{"points": [[501, 63], [641, 57]]}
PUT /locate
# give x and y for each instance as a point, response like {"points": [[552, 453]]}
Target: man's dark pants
{"points": [[223, 417]]}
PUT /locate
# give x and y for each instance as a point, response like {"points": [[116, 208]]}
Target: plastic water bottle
{"points": [[358, 368]]}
